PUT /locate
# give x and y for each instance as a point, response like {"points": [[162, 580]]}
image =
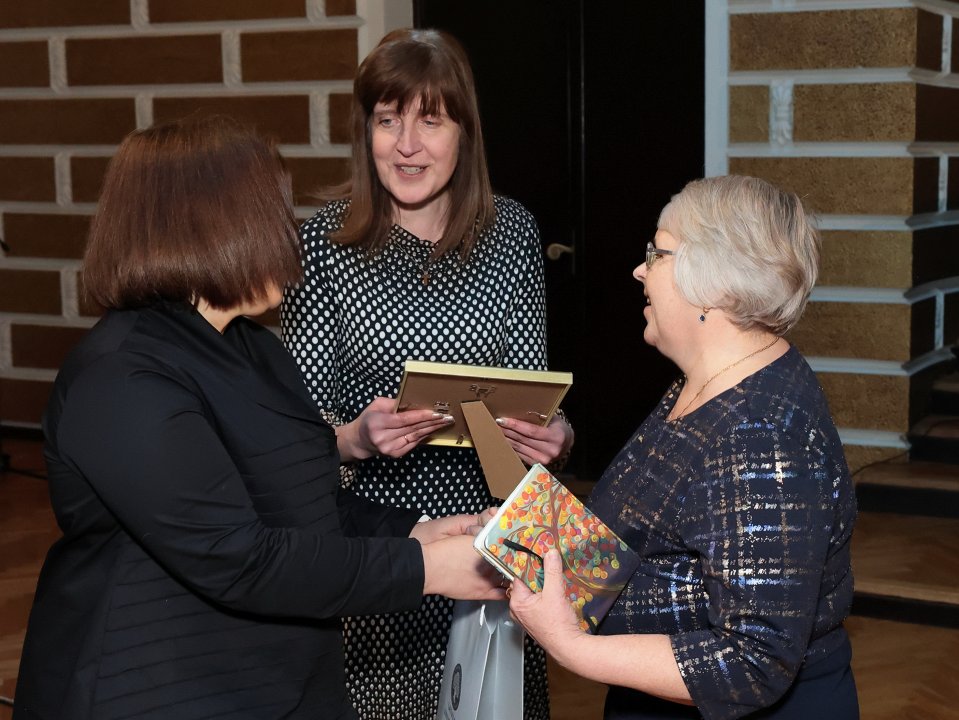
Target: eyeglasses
{"points": [[653, 254]]}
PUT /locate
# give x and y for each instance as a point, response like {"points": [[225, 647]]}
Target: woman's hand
{"points": [[537, 444], [380, 431], [454, 569], [548, 616], [433, 530], [642, 662]]}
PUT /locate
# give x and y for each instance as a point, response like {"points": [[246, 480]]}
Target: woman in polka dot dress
{"points": [[416, 260]]}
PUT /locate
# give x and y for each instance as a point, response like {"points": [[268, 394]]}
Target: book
{"points": [[530, 395], [541, 514]]}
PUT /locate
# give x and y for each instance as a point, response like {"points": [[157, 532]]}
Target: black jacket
{"points": [[208, 549]]}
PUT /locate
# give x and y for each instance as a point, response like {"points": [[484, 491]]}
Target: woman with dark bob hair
{"points": [[734, 491], [415, 258], [208, 551]]}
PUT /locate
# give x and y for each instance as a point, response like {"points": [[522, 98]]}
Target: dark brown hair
{"points": [[431, 67], [192, 209]]}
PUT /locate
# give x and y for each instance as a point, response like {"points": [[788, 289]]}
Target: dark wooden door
{"points": [[593, 117]]}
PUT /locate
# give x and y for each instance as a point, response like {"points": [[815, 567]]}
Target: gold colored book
{"points": [[530, 395]]}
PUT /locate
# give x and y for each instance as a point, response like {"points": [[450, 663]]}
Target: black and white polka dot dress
{"points": [[351, 325]]}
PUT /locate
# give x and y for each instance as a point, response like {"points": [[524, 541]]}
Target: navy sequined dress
{"points": [[742, 512]]}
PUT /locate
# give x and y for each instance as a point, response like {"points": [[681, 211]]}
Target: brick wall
{"points": [[854, 107], [75, 77]]}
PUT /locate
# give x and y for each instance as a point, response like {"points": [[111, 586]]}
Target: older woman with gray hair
{"points": [[734, 491]]}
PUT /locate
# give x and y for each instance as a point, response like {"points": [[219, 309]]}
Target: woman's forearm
{"points": [[347, 443], [641, 662]]}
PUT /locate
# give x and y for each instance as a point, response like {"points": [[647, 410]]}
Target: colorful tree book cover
{"points": [[541, 514]]}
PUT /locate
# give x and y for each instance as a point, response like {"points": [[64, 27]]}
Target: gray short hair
{"points": [[746, 247]]}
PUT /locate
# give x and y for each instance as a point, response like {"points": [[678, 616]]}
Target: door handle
{"points": [[554, 251]]}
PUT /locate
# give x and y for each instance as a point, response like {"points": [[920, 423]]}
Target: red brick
{"points": [[68, 121], [166, 11], [160, 60], [27, 179], [24, 400], [30, 291], [299, 55], [86, 175], [934, 257], [57, 13], [310, 175], [340, 7], [9, 685], [24, 64], [929, 40], [42, 346], [925, 184], [46, 236], [284, 117], [86, 306], [341, 108]]}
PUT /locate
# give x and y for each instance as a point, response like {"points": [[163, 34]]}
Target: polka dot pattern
{"points": [[350, 326]]}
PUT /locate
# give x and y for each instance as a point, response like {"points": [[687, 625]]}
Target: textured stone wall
{"points": [[75, 77], [855, 109]]}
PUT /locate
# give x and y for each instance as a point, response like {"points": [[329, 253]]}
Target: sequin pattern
{"points": [[742, 512]]}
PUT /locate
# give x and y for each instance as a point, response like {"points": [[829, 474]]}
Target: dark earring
{"points": [[702, 317]]}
